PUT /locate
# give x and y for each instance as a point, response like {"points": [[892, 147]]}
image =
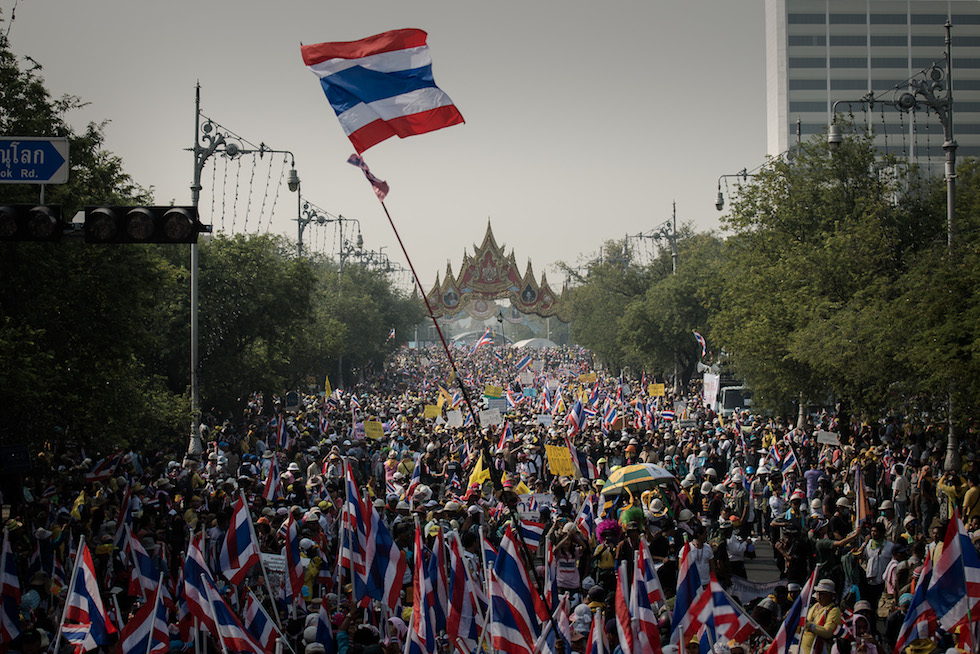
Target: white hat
{"points": [[293, 467], [706, 487]]}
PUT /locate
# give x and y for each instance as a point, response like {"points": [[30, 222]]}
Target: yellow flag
{"points": [[480, 473], [326, 386], [721, 421], [76, 508], [522, 489]]}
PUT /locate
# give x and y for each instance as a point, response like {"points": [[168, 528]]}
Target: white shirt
{"points": [[900, 489], [878, 560], [701, 557]]}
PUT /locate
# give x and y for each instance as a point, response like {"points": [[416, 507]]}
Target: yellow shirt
{"points": [[823, 621]]}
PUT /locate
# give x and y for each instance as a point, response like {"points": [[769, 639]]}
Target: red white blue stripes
{"points": [[381, 86]]}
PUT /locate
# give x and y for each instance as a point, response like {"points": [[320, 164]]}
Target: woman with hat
{"points": [[822, 620]]}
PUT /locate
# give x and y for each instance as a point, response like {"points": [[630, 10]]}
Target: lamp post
{"points": [[720, 200], [208, 139], [932, 87], [500, 321]]}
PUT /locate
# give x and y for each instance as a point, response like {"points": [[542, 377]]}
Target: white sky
{"points": [[584, 120]]}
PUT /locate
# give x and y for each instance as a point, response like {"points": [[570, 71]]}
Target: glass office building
{"points": [[822, 51]]}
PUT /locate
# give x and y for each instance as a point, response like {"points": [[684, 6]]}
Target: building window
{"points": [[847, 19], [807, 85], [889, 19], [960, 19], [930, 41], [806, 19], [848, 62], [808, 129], [806, 40], [890, 41], [842, 40], [890, 62], [848, 85], [807, 107], [807, 62], [929, 19]]}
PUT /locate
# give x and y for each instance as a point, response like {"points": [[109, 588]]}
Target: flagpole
{"points": [[153, 614], [435, 322], [71, 589], [214, 614], [265, 575]]}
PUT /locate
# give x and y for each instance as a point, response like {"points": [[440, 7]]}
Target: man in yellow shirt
{"points": [[822, 620]]}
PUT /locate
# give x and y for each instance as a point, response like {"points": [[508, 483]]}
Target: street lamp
{"points": [[500, 321], [720, 200]]}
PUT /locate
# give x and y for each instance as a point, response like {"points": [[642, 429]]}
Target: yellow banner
{"points": [[493, 391], [656, 390], [560, 460], [588, 378], [432, 411], [373, 429], [326, 386]]}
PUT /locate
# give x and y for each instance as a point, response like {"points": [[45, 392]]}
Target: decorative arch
{"points": [[490, 275]]}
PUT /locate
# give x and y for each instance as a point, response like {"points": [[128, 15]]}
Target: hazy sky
{"points": [[584, 120]]}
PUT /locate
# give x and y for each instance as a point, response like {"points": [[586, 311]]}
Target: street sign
{"points": [[33, 160]]}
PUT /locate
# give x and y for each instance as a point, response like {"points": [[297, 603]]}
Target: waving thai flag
{"points": [[232, 634], [576, 418], [421, 635], [271, 488], [381, 86], [196, 569], [464, 622], [147, 631], [786, 635], [920, 619], [517, 608], [9, 592], [624, 621], [83, 606], [486, 339], [524, 363], [260, 625], [704, 345], [955, 585], [239, 551]]}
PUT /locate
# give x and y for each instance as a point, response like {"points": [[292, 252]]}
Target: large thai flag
{"points": [[624, 621], [230, 631], [437, 584], [416, 479], [421, 635], [517, 609], [786, 635], [148, 624], [260, 625], [955, 584], [585, 520], [145, 572], [524, 363], [324, 631], [598, 642], [353, 535], [506, 434], [381, 86], [920, 619], [688, 588], [84, 607], [282, 438], [486, 339], [271, 488], [532, 533], [489, 551], [576, 418], [463, 624], [292, 578], [239, 551], [384, 563], [103, 468], [789, 462], [9, 593], [196, 569], [730, 620], [645, 594]]}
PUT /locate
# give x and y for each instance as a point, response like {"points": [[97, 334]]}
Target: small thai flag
{"points": [[667, 415]]}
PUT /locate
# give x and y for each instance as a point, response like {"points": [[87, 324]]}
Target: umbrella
{"points": [[637, 478]]}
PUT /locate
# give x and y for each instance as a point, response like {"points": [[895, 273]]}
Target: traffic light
{"points": [[30, 222], [142, 225]]}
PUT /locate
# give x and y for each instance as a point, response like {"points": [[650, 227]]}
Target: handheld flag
{"points": [[9, 593], [381, 86]]}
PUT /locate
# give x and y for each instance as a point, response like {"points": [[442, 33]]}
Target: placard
{"points": [[537, 365], [560, 461], [526, 377], [828, 438], [529, 505], [711, 385], [275, 566], [454, 418], [656, 390], [543, 419], [493, 391], [530, 392], [499, 404], [490, 417], [746, 591], [374, 429], [588, 378], [431, 411], [553, 383]]}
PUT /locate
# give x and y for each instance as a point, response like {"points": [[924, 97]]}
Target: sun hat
{"points": [[825, 586]]}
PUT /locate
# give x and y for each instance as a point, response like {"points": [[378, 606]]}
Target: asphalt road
{"points": [[763, 567]]}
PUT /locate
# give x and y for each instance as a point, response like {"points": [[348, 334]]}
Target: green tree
{"points": [[818, 243]]}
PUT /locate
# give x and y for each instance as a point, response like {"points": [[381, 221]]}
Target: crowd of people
{"points": [[853, 514]]}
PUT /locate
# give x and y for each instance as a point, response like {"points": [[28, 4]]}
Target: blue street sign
{"points": [[33, 160]]}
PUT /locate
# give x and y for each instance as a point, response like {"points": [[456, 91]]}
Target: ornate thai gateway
{"points": [[490, 275]]}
